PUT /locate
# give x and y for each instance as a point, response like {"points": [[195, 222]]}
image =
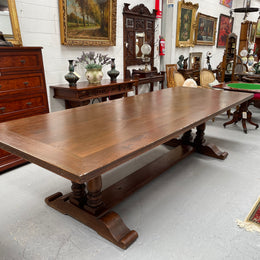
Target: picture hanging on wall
{"points": [[225, 27], [91, 23], [185, 24], [227, 3], [205, 29]]}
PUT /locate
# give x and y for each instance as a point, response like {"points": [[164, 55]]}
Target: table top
{"points": [[239, 86], [249, 75], [82, 143], [84, 85]]}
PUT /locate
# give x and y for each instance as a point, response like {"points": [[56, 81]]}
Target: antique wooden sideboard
{"points": [[84, 92], [22, 90]]}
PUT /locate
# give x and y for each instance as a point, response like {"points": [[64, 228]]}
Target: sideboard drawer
{"points": [[21, 83], [22, 104], [21, 62]]}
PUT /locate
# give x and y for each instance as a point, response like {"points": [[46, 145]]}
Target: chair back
{"points": [[206, 77], [178, 79], [170, 69]]}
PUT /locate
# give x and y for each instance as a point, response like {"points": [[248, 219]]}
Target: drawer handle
{"points": [[28, 103], [0, 86], [2, 109], [22, 61], [26, 83]]}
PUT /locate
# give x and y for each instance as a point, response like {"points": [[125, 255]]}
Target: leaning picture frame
{"points": [[82, 23], [195, 60], [205, 32], [185, 24], [225, 27]]}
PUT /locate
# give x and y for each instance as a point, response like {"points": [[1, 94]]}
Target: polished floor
{"points": [[189, 212]]}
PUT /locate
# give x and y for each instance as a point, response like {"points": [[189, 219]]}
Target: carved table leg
{"points": [[208, 149], [235, 119], [243, 114], [187, 137], [87, 208]]}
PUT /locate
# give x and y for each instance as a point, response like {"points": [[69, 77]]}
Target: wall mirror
{"points": [[9, 22], [139, 27]]}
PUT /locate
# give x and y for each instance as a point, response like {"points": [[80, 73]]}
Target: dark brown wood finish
{"points": [[22, 90], [139, 19], [242, 113], [84, 92], [81, 144]]}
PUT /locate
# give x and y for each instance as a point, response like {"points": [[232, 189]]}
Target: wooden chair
{"points": [[206, 77], [178, 79], [170, 69]]}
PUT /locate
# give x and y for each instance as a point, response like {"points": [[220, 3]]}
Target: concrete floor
{"points": [[189, 212]]}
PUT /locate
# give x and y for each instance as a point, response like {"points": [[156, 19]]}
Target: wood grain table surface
{"points": [[82, 143]]}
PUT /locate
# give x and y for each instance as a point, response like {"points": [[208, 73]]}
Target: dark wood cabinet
{"points": [[22, 90], [247, 33]]}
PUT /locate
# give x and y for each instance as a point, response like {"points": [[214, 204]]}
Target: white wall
{"points": [[39, 25]]}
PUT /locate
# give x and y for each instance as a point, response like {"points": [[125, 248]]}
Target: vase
{"points": [[113, 73], [244, 59], [94, 76], [71, 77], [250, 60]]}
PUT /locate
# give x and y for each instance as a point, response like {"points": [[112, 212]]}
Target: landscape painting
{"points": [[88, 22]]}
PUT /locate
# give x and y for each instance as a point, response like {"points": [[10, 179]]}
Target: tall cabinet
{"points": [[22, 90], [247, 34]]}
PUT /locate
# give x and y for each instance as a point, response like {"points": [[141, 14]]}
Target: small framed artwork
{"points": [[185, 24], [91, 23], [205, 29], [195, 60], [225, 27], [227, 3], [258, 29]]}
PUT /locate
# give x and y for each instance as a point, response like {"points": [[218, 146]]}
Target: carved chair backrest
{"points": [[170, 69]]}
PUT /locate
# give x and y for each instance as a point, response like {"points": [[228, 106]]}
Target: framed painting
{"points": [[227, 3], [88, 22], [225, 27], [185, 24], [195, 59], [205, 29]]}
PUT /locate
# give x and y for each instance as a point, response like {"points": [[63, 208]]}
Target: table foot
{"points": [[212, 150], [110, 225], [208, 149]]}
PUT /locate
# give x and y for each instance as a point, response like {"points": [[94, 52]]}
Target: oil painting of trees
{"points": [[88, 22]]}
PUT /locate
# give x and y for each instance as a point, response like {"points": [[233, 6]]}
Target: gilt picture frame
{"points": [[205, 33], [186, 20], [225, 27], [88, 23]]}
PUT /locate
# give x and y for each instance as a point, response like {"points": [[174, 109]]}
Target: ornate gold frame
{"points": [[210, 18], [98, 41], [193, 7], [15, 38]]}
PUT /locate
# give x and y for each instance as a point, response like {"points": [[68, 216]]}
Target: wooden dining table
{"points": [[83, 143]]}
